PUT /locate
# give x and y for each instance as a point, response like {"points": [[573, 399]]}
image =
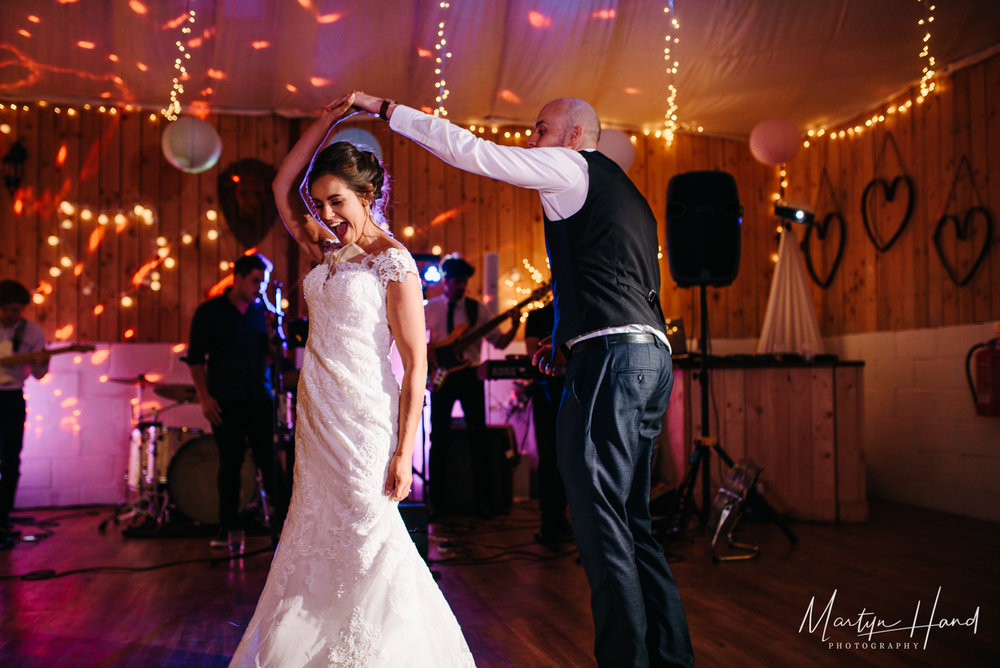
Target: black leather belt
{"points": [[609, 340]]}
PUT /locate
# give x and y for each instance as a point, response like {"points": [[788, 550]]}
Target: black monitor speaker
{"points": [[703, 228]]}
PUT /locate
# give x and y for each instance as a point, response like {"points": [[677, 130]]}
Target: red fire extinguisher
{"points": [[986, 388]]}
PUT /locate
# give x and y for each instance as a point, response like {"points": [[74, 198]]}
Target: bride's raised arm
{"points": [[290, 189]]}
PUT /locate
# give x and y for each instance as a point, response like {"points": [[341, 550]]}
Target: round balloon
{"points": [[363, 139], [191, 144], [616, 145], [774, 141]]}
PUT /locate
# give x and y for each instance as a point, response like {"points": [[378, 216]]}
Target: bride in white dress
{"points": [[347, 586]]}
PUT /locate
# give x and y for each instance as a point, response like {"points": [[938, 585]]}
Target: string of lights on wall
{"points": [[776, 197], [514, 282], [75, 216], [440, 59], [926, 87]]}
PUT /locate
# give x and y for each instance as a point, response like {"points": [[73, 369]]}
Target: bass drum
{"points": [[192, 480]]}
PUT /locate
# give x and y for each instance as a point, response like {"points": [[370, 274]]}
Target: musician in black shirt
{"points": [[230, 360]]}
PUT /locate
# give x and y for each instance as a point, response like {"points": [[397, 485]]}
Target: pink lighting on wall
{"points": [[539, 20]]}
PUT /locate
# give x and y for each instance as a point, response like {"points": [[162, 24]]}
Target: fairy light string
{"points": [[440, 59], [173, 110], [926, 87], [671, 38], [927, 74]]}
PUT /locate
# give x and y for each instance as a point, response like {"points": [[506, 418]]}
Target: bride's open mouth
{"points": [[340, 229]]}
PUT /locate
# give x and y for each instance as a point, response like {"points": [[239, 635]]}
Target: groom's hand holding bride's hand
{"points": [[341, 108], [367, 103]]}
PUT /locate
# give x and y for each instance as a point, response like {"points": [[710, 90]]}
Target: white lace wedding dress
{"points": [[347, 586]]}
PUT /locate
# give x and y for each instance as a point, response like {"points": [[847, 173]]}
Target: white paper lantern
{"points": [[191, 145], [616, 145], [775, 141]]}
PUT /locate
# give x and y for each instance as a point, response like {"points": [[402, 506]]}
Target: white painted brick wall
{"points": [[924, 443]]}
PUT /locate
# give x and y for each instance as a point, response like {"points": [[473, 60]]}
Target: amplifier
{"points": [[500, 445], [513, 366]]}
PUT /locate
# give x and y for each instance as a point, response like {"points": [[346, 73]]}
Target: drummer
{"points": [[229, 355]]}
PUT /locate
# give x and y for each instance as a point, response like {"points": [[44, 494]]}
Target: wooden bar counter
{"points": [[802, 422]]}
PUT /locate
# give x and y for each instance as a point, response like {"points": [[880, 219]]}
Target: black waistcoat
{"points": [[604, 257]]}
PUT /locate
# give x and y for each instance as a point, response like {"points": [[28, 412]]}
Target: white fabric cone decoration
{"points": [[790, 324]]}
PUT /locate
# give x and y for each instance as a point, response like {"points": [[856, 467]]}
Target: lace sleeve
{"points": [[393, 265]]}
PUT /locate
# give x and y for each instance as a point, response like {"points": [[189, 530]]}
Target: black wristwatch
{"points": [[383, 110]]}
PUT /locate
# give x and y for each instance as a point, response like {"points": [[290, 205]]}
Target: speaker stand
{"points": [[701, 456]]}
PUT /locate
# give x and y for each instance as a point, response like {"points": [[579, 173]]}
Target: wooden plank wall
{"points": [[907, 286], [109, 162]]}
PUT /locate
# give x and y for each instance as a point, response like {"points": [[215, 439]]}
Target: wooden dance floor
{"points": [[79, 597]]}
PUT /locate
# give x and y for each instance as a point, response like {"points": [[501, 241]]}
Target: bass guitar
{"points": [[8, 360], [444, 357]]}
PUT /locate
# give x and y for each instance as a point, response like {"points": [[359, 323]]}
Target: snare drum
{"points": [[192, 480], [151, 449]]}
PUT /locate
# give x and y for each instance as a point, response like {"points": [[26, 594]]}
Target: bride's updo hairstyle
{"points": [[359, 169]]}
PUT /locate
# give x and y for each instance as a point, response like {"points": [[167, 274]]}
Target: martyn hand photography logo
{"points": [[878, 632]]}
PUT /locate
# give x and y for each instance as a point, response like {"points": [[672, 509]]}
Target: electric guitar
{"points": [[9, 360], [444, 356]]}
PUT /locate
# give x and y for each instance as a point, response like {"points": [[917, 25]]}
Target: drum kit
{"points": [[174, 468]]}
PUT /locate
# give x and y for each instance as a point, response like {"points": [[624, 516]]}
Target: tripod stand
{"points": [[701, 456], [703, 445]]}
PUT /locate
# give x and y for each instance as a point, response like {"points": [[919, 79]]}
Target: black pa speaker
{"points": [[703, 228], [497, 448]]}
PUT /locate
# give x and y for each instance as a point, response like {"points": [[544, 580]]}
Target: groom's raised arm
{"points": [[557, 173]]}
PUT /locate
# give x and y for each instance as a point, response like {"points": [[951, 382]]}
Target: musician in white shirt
{"points": [[20, 336], [453, 313]]}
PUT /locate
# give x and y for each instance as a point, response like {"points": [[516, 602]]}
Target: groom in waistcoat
{"points": [[609, 333]]}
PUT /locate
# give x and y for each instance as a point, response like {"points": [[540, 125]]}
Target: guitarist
{"points": [[444, 314], [24, 337]]}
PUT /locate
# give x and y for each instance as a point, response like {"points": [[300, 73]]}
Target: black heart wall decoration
{"points": [[822, 231], [888, 192], [880, 191], [964, 229], [247, 201], [964, 232]]}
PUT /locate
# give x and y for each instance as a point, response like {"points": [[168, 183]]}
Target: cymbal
{"points": [[138, 380], [184, 394]]}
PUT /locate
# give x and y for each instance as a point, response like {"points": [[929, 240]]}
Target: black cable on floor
{"points": [[49, 574]]}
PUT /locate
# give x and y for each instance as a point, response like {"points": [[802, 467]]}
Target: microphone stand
{"points": [[278, 437]]}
